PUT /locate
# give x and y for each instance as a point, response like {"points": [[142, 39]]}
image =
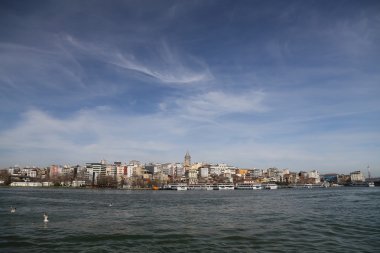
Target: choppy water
{"points": [[288, 220]]}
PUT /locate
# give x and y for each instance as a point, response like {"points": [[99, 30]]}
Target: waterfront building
{"points": [[241, 172], [95, 170], [314, 177], [134, 168], [222, 168], [344, 179], [137, 170], [180, 170], [146, 175], [153, 168], [121, 172], [67, 170], [55, 171], [160, 178], [14, 170], [24, 172], [192, 175], [275, 174], [291, 178], [167, 169], [32, 173], [204, 172], [357, 176], [111, 170], [256, 173], [302, 177], [216, 169], [272, 172]]}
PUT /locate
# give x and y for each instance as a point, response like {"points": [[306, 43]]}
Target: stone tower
{"points": [[187, 162]]}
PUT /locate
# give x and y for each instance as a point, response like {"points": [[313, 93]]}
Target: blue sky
{"points": [[291, 84]]}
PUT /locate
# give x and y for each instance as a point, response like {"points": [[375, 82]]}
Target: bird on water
{"points": [[46, 217]]}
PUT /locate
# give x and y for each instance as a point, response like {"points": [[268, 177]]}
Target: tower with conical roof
{"points": [[187, 162]]}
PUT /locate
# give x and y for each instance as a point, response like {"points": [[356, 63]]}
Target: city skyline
{"points": [[287, 84]]}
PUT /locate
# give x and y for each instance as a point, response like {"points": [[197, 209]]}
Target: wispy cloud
{"points": [[163, 65], [89, 134], [206, 106], [252, 85], [28, 68], [101, 132]]}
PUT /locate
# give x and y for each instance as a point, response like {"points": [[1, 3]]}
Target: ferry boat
{"points": [[209, 187], [247, 186], [200, 187], [179, 187], [225, 187], [362, 184], [271, 186]]}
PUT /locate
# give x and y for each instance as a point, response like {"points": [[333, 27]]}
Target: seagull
{"points": [[110, 205], [46, 217], [13, 209]]}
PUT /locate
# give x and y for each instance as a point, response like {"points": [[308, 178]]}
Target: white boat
{"points": [[194, 187], [179, 187], [247, 186], [271, 186], [308, 186], [371, 184], [225, 187], [200, 187]]}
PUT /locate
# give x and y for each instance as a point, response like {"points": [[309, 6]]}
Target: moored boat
{"points": [[179, 187], [270, 186], [225, 187], [200, 187], [247, 186]]}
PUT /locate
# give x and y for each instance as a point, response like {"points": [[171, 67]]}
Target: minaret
{"points": [[187, 162]]}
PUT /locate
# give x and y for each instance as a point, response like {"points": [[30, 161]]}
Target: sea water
{"points": [[285, 220]]}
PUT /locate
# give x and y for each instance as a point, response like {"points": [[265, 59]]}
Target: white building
{"points": [[221, 168], [121, 172], [180, 170], [95, 169], [134, 169], [111, 170], [193, 176], [204, 172], [357, 176], [14, 170], [256, 173], [32, 173], [314, 174]]}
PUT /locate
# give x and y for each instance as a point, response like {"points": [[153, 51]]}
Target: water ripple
{"points": [[333, 220]]}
